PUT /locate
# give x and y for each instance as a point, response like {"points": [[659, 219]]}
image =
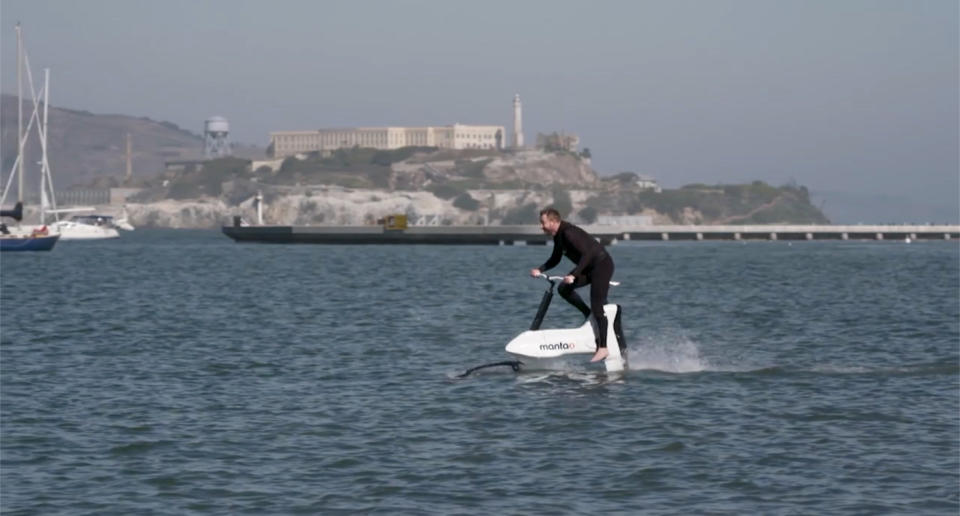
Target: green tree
{"points": [[562, 202], [446, 191], [466, 202], [524, 214], [588, 214]]}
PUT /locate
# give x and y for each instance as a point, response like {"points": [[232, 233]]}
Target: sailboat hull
{"points": [[28, 243]]}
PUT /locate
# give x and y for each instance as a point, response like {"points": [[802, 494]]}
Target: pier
{"points": [[786, 232], [531, 234]]}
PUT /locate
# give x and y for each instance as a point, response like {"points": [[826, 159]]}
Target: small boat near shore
{"points": [[86, 227], [91, 227]]}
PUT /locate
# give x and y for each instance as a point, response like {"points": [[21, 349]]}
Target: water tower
{"points": [[216, 141]]}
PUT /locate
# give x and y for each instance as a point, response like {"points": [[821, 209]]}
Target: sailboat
{"points": [[21, 237], [32, 239]]}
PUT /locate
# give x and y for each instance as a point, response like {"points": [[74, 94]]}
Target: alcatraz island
{"points": [[457, 175]]}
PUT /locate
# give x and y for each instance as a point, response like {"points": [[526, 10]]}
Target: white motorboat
{"points": [[86, 227]]}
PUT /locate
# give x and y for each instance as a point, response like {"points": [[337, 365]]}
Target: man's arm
{"points": [[555, 256]]}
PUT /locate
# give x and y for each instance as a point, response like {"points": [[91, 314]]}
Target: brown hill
{"points": [[86, 148]]}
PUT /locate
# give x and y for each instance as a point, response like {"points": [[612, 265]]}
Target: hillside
{"points": [[84, 147]]}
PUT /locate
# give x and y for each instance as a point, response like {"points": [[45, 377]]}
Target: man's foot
{"points": [[601, 354]]}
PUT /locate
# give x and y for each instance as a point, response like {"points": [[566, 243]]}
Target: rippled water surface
{"points": [[176, 372]]}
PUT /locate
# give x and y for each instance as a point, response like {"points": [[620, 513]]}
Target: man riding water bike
{"points": [[594, 267]]}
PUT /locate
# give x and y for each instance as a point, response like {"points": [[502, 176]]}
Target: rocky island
{"points": [[446, 187]]}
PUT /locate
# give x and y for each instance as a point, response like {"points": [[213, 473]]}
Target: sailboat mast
{"points": [[20, 113], [45, 172], [129, 175]]}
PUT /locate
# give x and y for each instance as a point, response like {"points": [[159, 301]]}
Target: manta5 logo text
{"points": [[562, 345]]}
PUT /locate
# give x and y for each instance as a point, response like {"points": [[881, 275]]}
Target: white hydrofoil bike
{"points": [[547, 349]]}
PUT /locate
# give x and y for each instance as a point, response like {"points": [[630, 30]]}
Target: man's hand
{"points": [[569, 279], [534, 272]]}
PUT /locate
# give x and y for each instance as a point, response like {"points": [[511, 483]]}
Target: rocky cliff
{"points": [[432, 189]]}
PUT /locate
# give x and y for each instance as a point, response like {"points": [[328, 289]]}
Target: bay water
{"points": [[177, 372]]}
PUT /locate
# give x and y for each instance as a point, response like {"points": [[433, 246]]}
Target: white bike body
{"points": [[542, 348]]}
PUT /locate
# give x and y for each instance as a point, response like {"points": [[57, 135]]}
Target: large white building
{"points": [[456, 136]]}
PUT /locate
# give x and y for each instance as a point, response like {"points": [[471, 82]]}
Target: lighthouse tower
{"points": [[517, 122]]}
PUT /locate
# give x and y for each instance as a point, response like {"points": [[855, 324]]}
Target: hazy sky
{"points": [[857, 100]]}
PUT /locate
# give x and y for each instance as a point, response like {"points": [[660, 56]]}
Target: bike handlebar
{"points": [[552, 279]]}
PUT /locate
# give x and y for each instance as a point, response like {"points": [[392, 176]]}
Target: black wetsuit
{"points": [[594, 268]]}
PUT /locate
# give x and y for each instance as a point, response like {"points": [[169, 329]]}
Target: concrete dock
{"points": [[789, 232], [531, 234]]}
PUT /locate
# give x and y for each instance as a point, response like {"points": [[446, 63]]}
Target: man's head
{"points": [[550, 221]]}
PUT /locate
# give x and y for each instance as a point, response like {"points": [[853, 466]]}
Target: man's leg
{"points": [[599, 288], [567, 292]]}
